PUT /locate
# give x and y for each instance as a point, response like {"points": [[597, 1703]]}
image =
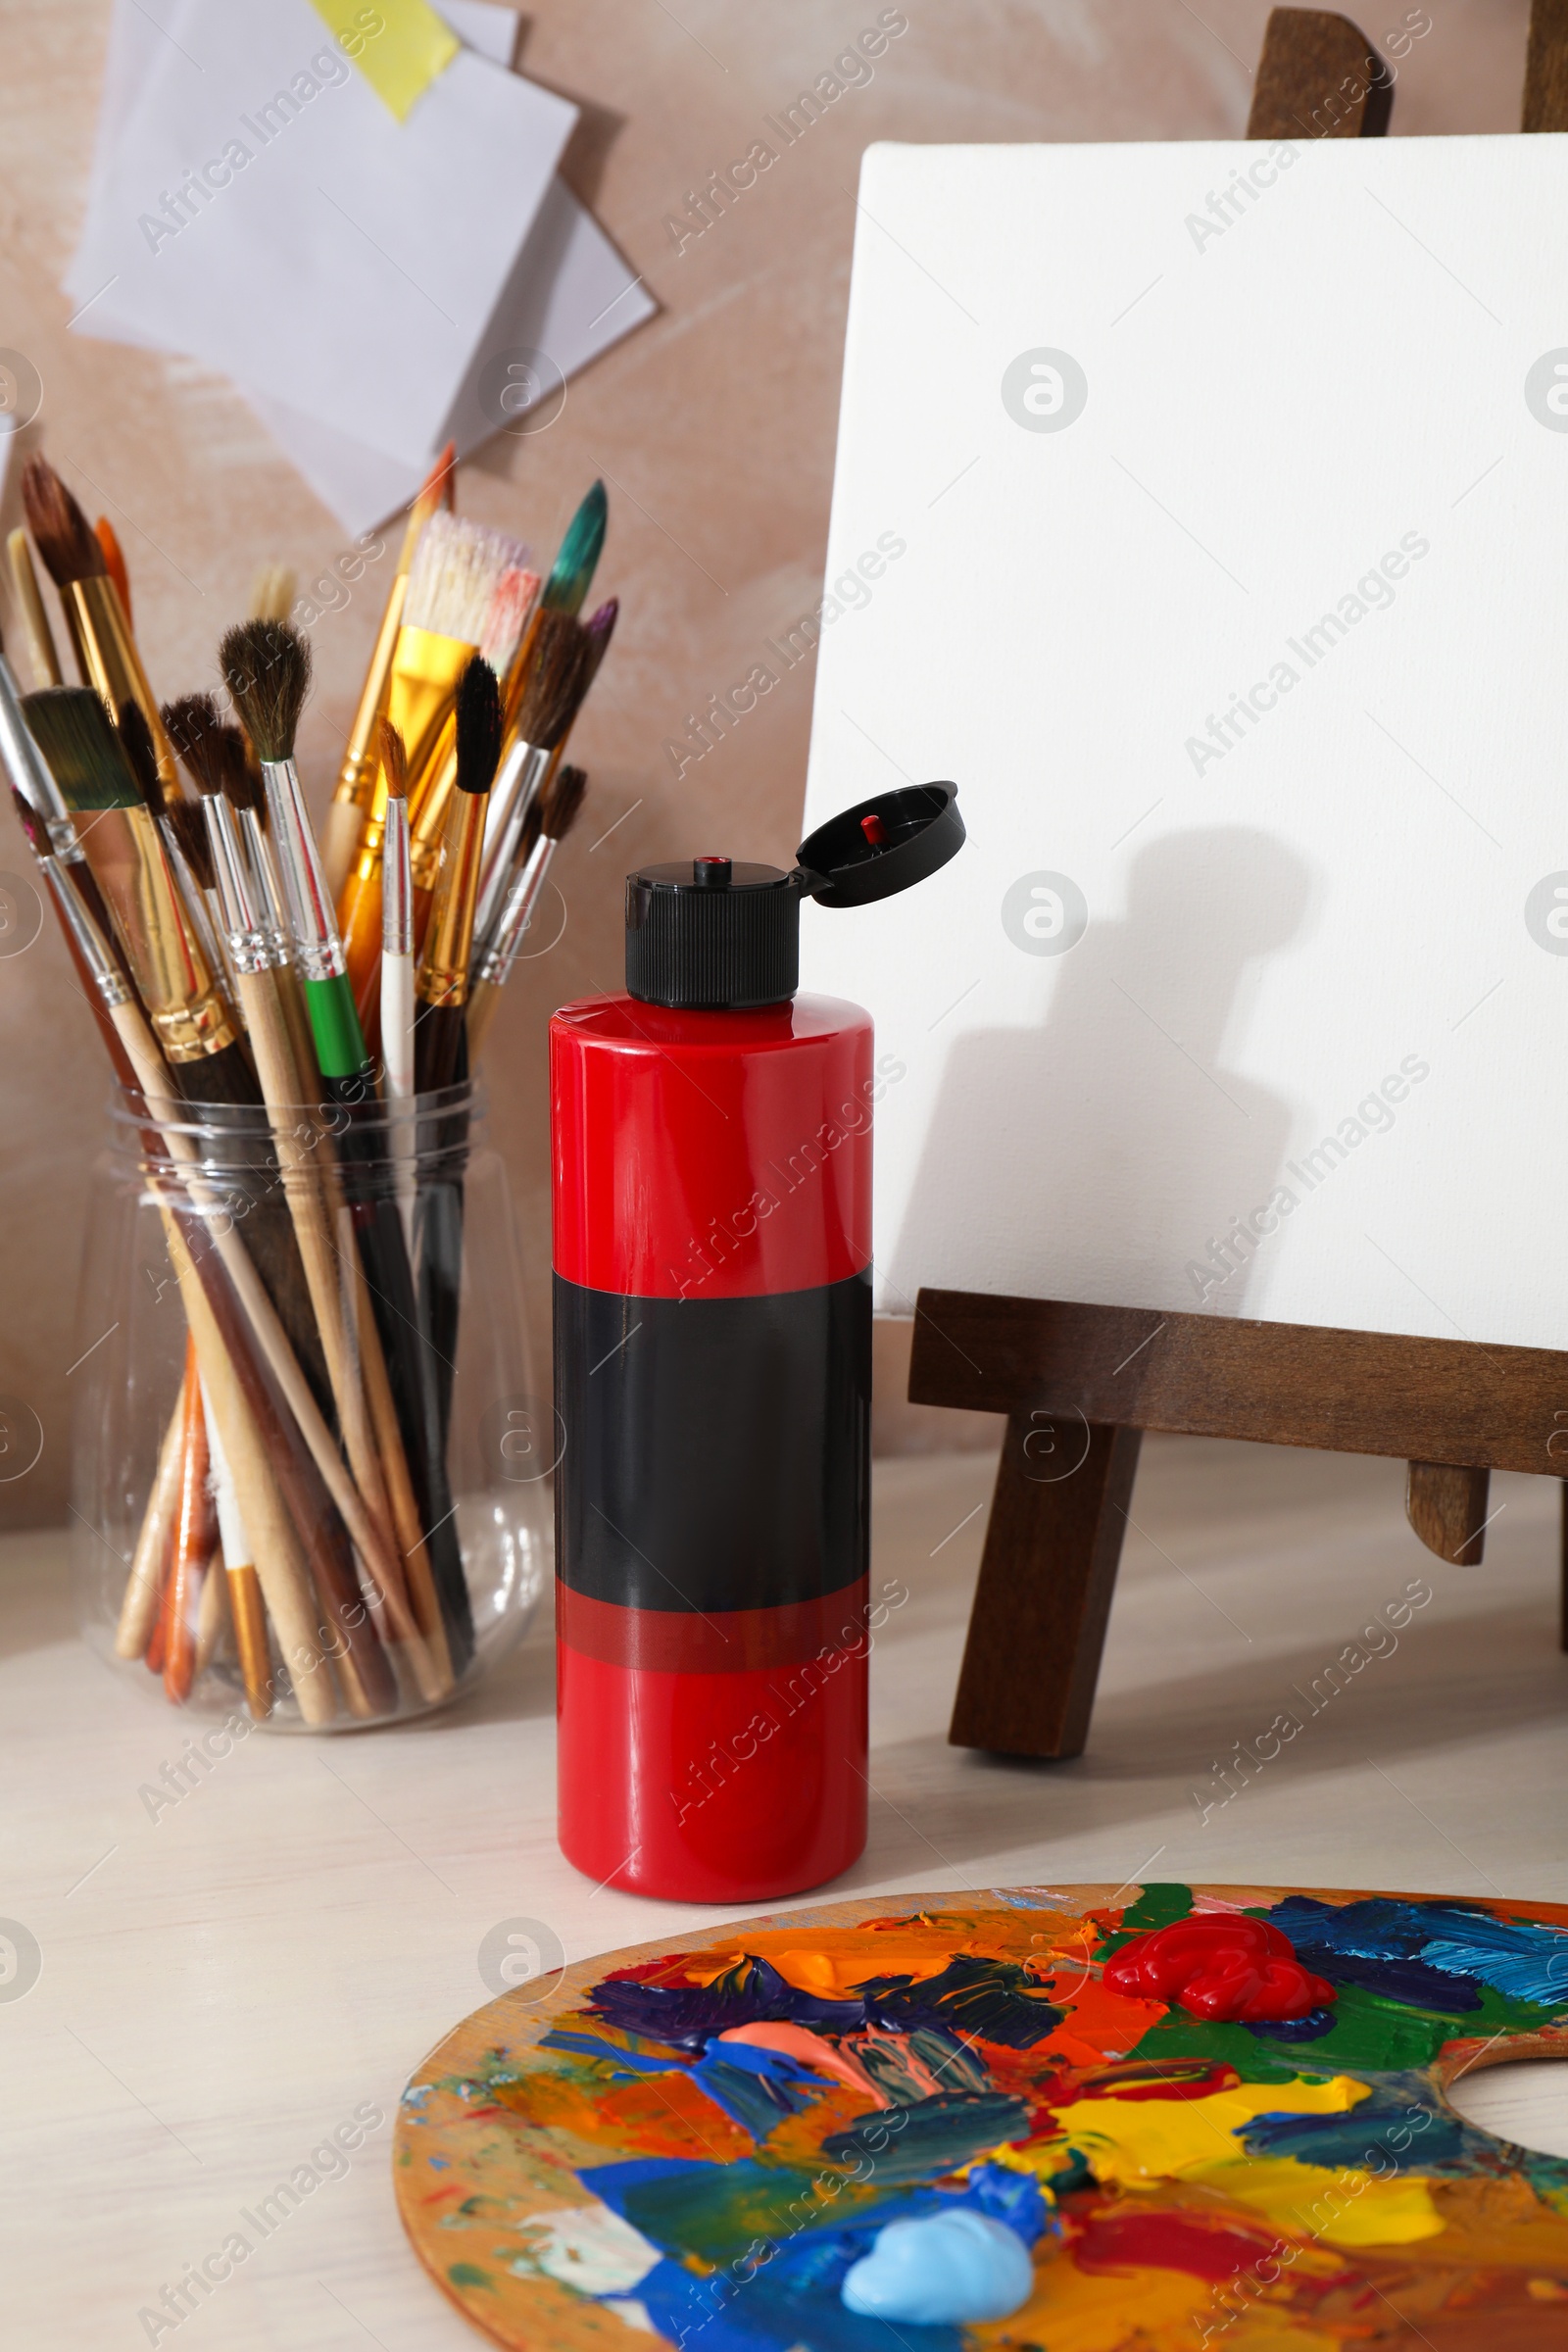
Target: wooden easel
{"points": [[1079, 1384]]}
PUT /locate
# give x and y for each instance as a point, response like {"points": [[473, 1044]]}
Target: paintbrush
{"points": [[195, 1533], [571, 574], [239, 775], [356, 784], [266, 667], [32, 778], [558, 806], [454, 575], [396, 1008], [558, 676], [441, 988], [114, 557], [304, 1155], [245, 1601], [35, 620], [100, 630], [67, 902], [185, 842], [125, 853], [601, 628]]}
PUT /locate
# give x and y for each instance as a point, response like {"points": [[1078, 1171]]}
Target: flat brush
{"points": [[512, 604], [356, 783], [125, 853], [441, 988], [35, 620], [560, 671], [559, 808], [99, 625], [33, 779], [454, 575]]}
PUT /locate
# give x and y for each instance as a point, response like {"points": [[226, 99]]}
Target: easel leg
{"points": [[1046, 1576]]}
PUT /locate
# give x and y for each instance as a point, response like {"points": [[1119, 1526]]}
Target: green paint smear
{"points": [[1160, 1905], [466, 2274], [1371, 2034]]}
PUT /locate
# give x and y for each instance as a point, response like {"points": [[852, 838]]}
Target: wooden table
{"points": [[225, 1985]]}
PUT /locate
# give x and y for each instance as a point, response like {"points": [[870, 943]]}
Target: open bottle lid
{"points": [[710, 934]]}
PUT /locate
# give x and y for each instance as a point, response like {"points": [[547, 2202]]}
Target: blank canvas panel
{"points": [[1203, 512]]}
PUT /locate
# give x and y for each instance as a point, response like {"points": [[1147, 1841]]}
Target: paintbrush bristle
{"points": [[394, 760], [266, 668], [557, 678], [573, 572], [453, 574], [190, 831], [478, 727], [235, 774], [511, 602], [67, 541], [138, 737], [562, 803], [193, 726], [85, 757], [601, 629]]}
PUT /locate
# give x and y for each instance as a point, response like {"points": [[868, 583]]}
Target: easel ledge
{"points": [[1080, 1383]]}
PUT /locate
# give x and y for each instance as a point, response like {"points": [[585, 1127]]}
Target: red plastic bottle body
{"points": [[712, 1206]]}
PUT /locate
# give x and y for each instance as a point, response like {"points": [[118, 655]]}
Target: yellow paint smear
{"points": [[1139, 2140], [1338, 2205], [1071, 2311]]}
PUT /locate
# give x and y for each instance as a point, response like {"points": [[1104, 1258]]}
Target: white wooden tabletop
{"points": [[228, 1979]]}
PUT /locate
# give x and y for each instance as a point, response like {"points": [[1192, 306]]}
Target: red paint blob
{"points": [[1221, 1967], [1167, 2241]]}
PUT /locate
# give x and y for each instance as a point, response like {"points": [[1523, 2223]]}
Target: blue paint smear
{"points": [[629, 2063], [1516, 1957], [752, 2304], [688, 2016], [1311, 2027], [1368, 2136], [757, 2088], [1375, 1944], [930, 2137], [994, 1998]]}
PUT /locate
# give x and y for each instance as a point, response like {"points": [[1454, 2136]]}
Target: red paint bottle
{"points": [[712, 1153]]}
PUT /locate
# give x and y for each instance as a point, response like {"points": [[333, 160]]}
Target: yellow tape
{"points": [[400, 46]]}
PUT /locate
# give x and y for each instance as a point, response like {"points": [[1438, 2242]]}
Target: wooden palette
{"points": [[592, 2168]]}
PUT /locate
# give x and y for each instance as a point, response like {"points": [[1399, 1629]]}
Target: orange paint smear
{"points": [[664, 2115]]}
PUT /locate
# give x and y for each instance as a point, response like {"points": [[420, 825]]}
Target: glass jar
{"points": [[303, 1342]]}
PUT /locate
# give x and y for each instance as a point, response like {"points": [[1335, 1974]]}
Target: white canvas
{"points": [[1321, 986]]}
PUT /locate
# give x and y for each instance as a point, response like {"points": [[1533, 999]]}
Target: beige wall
{"points": [[715, 426]]}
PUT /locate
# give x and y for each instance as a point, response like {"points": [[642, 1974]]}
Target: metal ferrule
{"points": [[264, 875], [110, 981], [130, 867], [512, 796], [397, 885], [501, 953], [29, 771], [443, 976], [317, 949], [194, 904], [250, 942]]}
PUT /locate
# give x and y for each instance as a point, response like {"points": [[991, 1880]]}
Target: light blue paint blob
{"points": [[942, 2271]]}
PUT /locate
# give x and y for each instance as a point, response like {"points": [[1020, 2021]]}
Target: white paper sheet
{"points": [[1261, 1013], [570, 294], [350, 265]]}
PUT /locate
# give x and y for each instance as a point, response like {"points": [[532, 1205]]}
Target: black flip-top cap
{"points": [[882, 845], [710, 934]]}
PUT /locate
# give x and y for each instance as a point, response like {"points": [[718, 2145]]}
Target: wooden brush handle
{"points": [[139, 1610], [194, 1535], [280, 1564], [429, 1655]]}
